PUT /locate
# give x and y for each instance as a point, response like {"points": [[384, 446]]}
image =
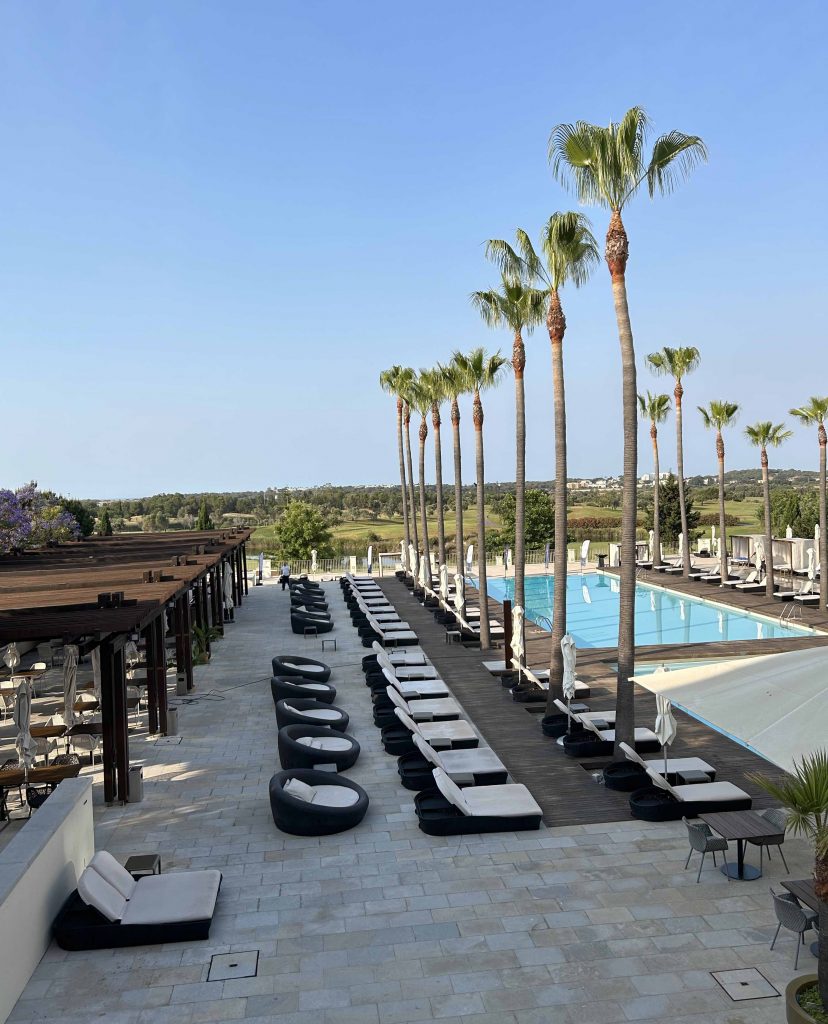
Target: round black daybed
{"points": [[296, 665], [300, 621], [288, 689], [298, 711], [305, 746], [337, 804]]}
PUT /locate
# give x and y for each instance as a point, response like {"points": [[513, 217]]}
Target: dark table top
{"points": [[740, 825], [803, 889], [86, 729]]}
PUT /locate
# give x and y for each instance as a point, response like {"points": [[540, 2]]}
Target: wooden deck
{"points": [[566, 789]]}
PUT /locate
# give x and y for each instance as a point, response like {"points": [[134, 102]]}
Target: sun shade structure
{"points": [[776, 705]]}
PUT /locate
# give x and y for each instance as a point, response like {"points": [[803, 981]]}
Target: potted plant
{"points": [[804, 795], [203, 636]]}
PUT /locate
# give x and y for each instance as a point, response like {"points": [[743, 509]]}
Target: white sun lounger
{"points": [[440, 735], [462, 766], [674, 764], [444, 709], [504, 808], [409, 656]]}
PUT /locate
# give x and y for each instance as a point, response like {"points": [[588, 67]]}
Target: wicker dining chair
{"points": [[703, 841], [778, 819], [792, 915]]}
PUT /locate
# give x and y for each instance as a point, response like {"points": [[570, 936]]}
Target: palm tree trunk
{"points": [[458, 482], [685, 540], [823, 525], [720, 455], [656, 552], [617, 249], [556, 325], [518, 364], [406, 532], [768, 529], [423, 514], [485, 635], [412, 512], [438, 473], [821, 889]]}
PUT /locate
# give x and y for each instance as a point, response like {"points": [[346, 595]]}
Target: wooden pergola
{"points": [[100, 592]]}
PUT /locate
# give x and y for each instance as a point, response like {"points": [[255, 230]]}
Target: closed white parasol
{"points": [[70, 683], [469, 557], [370, 558], [313, 559], [403, 556], [425, 573], [460, 595], [12, 657], [665, 723], [227, 586], [759, 554], [569, 652], [22, 716], [444, 582], [96, 672], [518, 647]]}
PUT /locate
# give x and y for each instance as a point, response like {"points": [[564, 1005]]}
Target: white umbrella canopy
{"points": [[403, 556], [469, 556], [650, 540], [518, 647], [570, 653], [227, 586], [12, 657], [313, 559], [370, 557], [665, 723], [24, 743], [460, 594], [70, 683], [96, 672], [444, 582], [425, 573], [788, 532], [759, 554], [131, 657]]}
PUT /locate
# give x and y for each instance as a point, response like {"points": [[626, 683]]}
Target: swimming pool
{"points": [[661, 616]]}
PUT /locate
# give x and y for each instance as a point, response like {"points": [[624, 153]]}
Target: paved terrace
{"points": [[569, 925]]}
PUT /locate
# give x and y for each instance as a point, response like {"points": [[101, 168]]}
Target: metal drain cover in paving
{"points": [[226, 966], [745, 984], [168, 741]]}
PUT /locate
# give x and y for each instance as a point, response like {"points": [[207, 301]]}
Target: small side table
{"points": [[143, 864], [576, 707], [309, 631], [329, 640], [692, 776]]}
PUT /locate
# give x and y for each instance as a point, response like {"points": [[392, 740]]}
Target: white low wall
{"points": [[38, 870]]}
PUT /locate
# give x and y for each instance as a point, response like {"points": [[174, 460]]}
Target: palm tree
{"points": [[390, 382], [607, 166], [455, 385], [717, 416], [480, 371], [519, 308], [655, 408], [678, 363], [569, 252], [804, 795], [814, 414], [406, 381], [420, 400], [767, 435], [434, 385]]}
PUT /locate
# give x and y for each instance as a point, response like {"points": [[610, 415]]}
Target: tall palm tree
{"points": [[568, 253], [655, 408], [420, 399], [517, 307], [480, 371], [406, 381], [814, 414], [678, 363], [766, 435], [390, 382], [433, 383], [455, 385], [607, 166], [717, 416]]}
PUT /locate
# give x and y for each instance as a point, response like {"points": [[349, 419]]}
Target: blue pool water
{"points": [[661, 616]]}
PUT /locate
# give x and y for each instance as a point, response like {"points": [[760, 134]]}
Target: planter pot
{"points": [[794, 1014]]}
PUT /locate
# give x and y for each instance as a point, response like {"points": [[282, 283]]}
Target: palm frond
{"points": [[804, 794], [675, 155], [654, 408], [719, 414], [812, 413], [569, 248], [573, 155], [507, 261], [766, 434], [674, 362]]}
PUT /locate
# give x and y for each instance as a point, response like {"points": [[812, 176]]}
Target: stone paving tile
{"points": [[384, 925]]}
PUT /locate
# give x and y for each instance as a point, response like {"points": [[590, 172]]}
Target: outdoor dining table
{"points": [[805, 892], [740, 826], [48, 732]]}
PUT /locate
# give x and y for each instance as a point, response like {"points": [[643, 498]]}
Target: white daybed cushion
{"points": [[325, 742], [508, 801], [300, 790], [440, 734], [674, 764], [334, 796], [422, 688], [323, 713], [177, 896], [96, 892], [714, 791], [608, 735], [303, 668], [114, 873]]}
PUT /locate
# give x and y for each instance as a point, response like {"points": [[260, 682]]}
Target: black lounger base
{"points": [[651, 804], [437, 817], [78, 926], [586, 744]]}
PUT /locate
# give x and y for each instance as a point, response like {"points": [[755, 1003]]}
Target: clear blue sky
{"points": [[220, 221]]}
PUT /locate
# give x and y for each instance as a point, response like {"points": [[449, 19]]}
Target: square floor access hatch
{"points": [[747, 983], [226, 966]]}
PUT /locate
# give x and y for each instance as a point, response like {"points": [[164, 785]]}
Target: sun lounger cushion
{"points": [[337, 804], [97, 892], [114, 873], [300, 790], [172, 898], [325, 742]]}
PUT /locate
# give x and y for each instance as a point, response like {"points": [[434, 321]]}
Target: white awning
{"points": [[775, 704]]}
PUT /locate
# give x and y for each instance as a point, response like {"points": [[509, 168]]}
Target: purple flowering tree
{"points": [[29, 519], [15, 523]]}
